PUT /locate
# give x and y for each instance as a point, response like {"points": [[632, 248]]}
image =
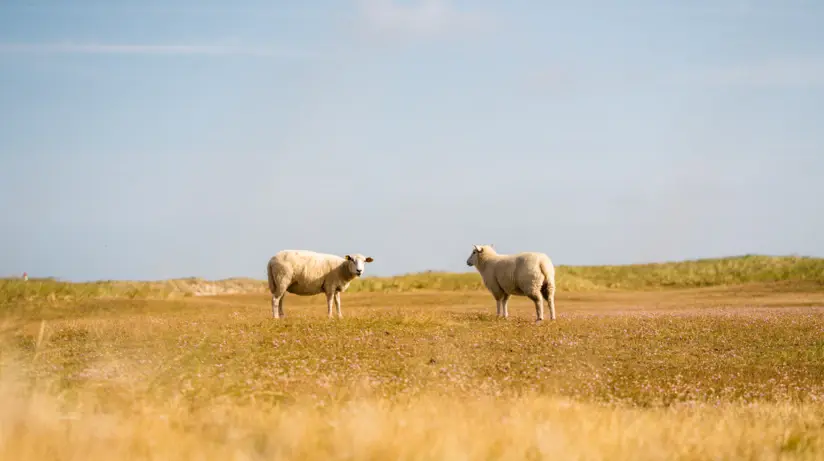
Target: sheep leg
{"points": [[505, 306], [329, 297], [276, 300], [278, 293], [337, 304], [539, 307], [551, 302], [496, 293]]}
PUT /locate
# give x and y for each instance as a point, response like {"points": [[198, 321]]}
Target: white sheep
{"points": [[527, 274], [307, 273]]}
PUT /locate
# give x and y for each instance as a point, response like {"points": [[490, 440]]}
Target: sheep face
{"points": [[357, 263], [476, 252]]}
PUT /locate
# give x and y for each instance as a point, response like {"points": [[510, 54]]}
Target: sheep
{"points": [[307, 273], [527, 274]]}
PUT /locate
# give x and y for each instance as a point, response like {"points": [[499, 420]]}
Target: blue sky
{"points": [[147, 140]]}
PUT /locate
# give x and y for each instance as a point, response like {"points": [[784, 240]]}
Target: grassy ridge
{"points": [[682, 274], [654, 276], [13, 290]]}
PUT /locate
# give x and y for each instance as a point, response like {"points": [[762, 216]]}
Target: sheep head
{"points": [[477, 251], [357, 262]]}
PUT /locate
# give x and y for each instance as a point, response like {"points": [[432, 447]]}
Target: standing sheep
{"points": [[527, 274], [307, 273]]}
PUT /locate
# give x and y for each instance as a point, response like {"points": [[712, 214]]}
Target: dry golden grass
{"points": [[712, 373]]}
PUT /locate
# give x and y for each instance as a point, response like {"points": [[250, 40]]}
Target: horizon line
{"points": [[425, 271]]}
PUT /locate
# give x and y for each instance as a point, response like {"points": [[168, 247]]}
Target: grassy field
{"points": [[676, 361]]}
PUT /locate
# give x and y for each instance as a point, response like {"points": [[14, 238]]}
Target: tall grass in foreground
{"points": [[33, 427], [657, 276]]}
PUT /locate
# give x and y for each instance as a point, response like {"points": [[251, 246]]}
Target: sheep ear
{"points": [[369, 259], [348, 258], [475, 247]]}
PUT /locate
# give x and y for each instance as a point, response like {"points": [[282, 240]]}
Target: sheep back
{"points": [[303, 272], [521, 274]]}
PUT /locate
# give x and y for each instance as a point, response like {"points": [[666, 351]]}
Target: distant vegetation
{"points": [[655, 276], [684, 274]]}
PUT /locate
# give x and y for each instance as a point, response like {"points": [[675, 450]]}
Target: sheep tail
{"points": [[271, 276], [549, 280]]}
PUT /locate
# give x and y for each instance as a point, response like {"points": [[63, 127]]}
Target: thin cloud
{"points": [[121, 49], [420, 19], [769, 73], [556, 78]]}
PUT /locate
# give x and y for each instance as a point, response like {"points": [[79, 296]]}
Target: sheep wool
{"points": [[307, 273], [529, 274]]}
